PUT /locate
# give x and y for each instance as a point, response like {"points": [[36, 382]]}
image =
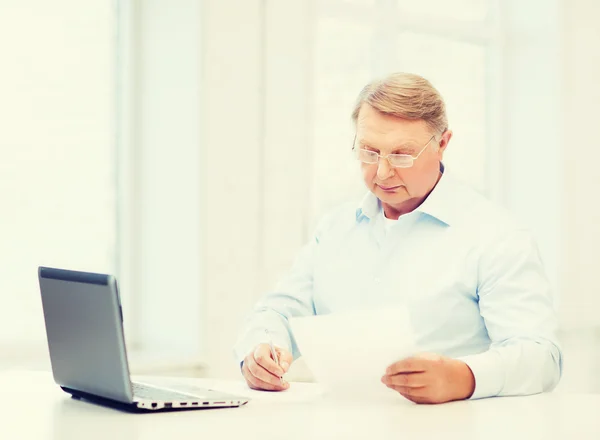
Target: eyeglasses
{"points": [[394, 159]]}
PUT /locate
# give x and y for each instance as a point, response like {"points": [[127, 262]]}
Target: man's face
{"points": [[403, 189]]}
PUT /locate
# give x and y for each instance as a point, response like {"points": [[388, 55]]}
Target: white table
{"points": [[32, 407]]}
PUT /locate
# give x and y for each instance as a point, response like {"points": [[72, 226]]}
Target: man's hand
{"points": [[430, 378], [262, 373]]}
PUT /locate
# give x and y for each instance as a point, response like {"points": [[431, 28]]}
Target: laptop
{"points": [[84, 327]]}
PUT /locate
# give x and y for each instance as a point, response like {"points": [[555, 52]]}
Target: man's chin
{"points": [[391, 197]]}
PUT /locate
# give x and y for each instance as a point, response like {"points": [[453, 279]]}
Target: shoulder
{"points": [[501, 237], [484, 217]]}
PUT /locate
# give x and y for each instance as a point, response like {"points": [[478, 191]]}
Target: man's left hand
{"points": [[430, 378]]}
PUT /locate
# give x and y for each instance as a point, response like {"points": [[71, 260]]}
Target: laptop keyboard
{"points": [[151, 393]]}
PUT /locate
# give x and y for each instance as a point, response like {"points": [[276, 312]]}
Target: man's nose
{"points": [[384, 169]]}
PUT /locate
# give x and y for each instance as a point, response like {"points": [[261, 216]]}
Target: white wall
{"points": [[232, 112], [541, 65], [57, 179], [169, 179], [276, 141], [580, 156], [533, 175], [219, 179]]}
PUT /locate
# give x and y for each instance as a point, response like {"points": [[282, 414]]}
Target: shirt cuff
{"points": [[489, 373]]}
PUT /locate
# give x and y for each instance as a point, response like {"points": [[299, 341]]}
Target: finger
{"points": [[258, 384], [409, 380], [285, 359], [417, 395], [409, 365], [408, 392], [262, 374], [262, 356]]}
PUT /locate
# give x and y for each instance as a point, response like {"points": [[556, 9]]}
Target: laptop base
{"points": [[133, 407]]}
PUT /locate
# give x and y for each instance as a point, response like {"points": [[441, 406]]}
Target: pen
{"points": [[273, 352]]}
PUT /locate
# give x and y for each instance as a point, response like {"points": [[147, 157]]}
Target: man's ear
{"points": [[445, 140]]}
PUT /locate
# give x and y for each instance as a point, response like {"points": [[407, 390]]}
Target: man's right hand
{"points": [[262, 373]]}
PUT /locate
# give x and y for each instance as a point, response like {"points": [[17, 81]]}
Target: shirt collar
{"points": [[369, 207], [440, 204]]}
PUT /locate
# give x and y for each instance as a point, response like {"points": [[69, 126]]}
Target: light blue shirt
{"points": [[470, 276]]}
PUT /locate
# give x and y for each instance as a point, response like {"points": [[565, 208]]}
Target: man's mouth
{"points": [[390, 188]]}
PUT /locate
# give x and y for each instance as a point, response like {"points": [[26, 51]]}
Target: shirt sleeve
{"points": [[516, 303], [293, 297]]}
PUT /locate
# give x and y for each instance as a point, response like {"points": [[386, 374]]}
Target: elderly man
{"points": [[471, 277]]}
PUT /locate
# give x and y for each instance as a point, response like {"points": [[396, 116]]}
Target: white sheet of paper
{"points": [[349, 352]]}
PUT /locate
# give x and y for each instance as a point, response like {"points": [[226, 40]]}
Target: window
{"points": [[160, 179], [458, 70], [100, 173], [57, 176]]}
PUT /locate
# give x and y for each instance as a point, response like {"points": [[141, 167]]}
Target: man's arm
{"points": [[516, 303], [293, 297]]}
